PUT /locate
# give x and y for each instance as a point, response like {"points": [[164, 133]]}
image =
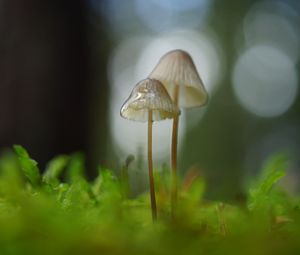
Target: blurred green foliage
{"points": [[61, 212]]}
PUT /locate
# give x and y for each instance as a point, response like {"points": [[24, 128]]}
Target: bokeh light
{"points": [[163, 15], [123, 17], [275, 23], [265, 81]]}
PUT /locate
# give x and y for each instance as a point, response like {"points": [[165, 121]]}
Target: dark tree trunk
{"points": [[45, 76]]}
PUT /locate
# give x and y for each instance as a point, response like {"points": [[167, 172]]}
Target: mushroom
{"points": [[149, 101], [177, 72]]}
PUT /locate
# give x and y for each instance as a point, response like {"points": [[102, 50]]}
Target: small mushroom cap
{"points": [[176, 68], [148, 95]]}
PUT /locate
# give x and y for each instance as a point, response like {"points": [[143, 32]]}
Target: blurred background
{"points": [[66, 67]]}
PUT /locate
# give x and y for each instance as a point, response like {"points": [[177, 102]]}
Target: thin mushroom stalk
{"points": [[150, 168], [174, 155], [177, 72], [148, 102]]}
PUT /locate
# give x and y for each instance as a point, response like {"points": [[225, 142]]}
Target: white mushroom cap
{"points": [[176, 68], [148, 95]]}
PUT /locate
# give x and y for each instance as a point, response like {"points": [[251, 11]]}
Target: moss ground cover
{"points": [[60, 212]]}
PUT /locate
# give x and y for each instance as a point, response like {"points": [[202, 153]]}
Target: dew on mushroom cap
{"points": [[148, 95], [176, 68]]}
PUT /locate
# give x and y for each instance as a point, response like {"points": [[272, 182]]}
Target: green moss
{"points": [[49, 214]]}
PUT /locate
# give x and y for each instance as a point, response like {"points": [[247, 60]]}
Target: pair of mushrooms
{"points": [[173, 83]]}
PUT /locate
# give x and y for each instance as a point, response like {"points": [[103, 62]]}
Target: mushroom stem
{"points": [[150, 168], [174, 155]]}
